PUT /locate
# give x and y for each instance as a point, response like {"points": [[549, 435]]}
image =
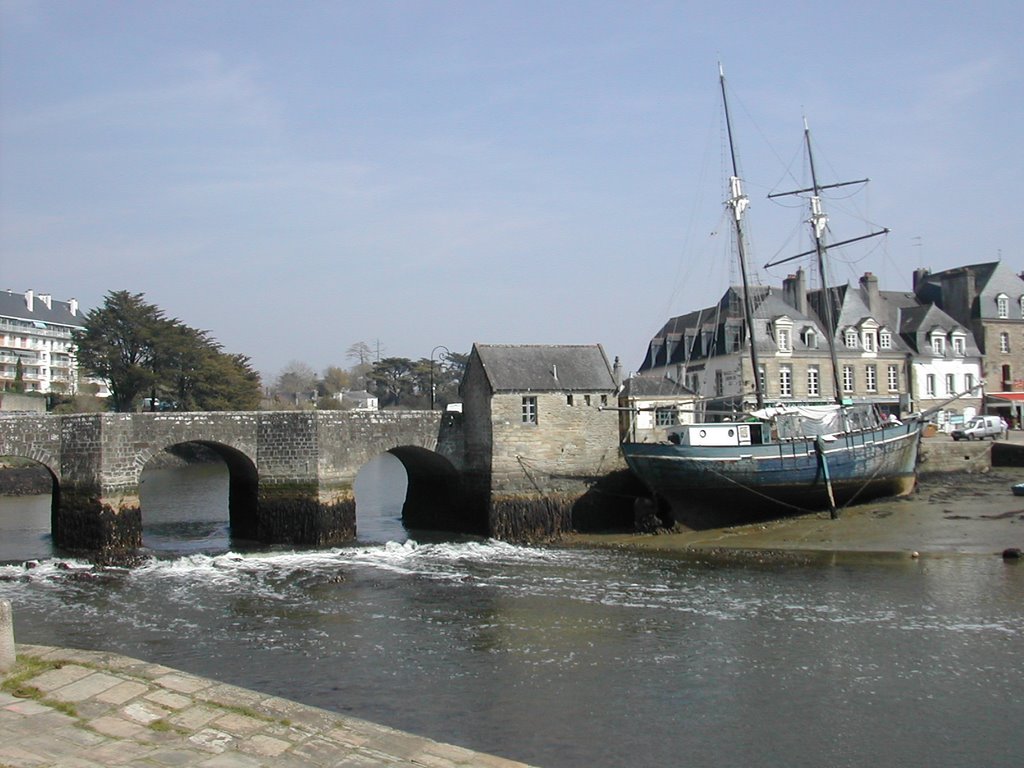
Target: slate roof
{"points": [[655, 386], [12, 305], [990, 280], [545, 368]]}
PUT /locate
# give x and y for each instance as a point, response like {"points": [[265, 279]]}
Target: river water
{"points": [[556, 657]]}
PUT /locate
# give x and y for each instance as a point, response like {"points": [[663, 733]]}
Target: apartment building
{"points": [[35, 336]]}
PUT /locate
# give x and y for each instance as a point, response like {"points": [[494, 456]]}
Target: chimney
{"points": [[869, 284], [794, 291], [617, 373], [30, 297], [919, 275], [47, 299], [73, 306]]}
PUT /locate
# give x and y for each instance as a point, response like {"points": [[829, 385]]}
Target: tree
{"points": [[334, 380], [137, 350], [392, 379], [116, 343], [297, 382]]}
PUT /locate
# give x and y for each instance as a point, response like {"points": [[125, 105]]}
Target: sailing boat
{"points": [[787, 458]]}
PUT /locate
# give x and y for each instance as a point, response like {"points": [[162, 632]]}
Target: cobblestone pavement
{"points": [[83, 709]]}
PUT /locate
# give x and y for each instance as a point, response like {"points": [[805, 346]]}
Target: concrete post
{"points": [[6, 637]]}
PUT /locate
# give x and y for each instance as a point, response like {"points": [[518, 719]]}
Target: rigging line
{"points": [[758, 493]]}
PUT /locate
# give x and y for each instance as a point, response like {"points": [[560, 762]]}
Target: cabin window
{"points": [[885, 340], [959, 345], [894, 378], [851, 339], [950, 384], [785, 381], [871, 378], [529, 410], [847, 378], [1004, 342], [1002, 306], [929, 385], [813, 381], [666, 417]]}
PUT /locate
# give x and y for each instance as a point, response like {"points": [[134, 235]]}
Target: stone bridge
{"points": [[291, 472]]}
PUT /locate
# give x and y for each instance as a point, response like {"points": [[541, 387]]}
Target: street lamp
{"points": [[439, 346]]}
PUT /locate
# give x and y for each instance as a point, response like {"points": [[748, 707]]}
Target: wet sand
{"points": [[950, 514]]}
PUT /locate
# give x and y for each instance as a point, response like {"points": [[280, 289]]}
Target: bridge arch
{"points": [[434, 497], [243, 481]]}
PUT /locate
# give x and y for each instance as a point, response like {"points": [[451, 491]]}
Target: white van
{"points": [[979, 428]]}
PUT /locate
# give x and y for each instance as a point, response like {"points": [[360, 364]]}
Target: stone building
{"points": [[35, 331], [536, 417], [987, 299], [876, 336]]}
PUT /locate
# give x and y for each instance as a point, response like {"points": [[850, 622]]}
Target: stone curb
{"points": [[94, 709]]}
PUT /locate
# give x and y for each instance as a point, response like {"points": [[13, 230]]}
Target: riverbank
{"points": [[952, 513], [63, 707]]}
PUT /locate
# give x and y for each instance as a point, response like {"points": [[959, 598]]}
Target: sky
{"points": [[419, 175]]}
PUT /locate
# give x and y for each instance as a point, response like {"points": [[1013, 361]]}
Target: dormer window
{"points": [[810, 339], [1021, 302], [884, 339], [938, 343], [1002, 306], [782, 338], [851, 338], [784, 334], [959, 344], [869, 339]]}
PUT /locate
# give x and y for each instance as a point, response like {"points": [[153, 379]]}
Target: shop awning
{"points": [[1008, 396]]}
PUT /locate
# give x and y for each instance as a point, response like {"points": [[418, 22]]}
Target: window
{"points": [[719, 384], [762, 378], [813, 380], [950, 384], [604, 400], [885, 340], [811, 339], [586, 400], [869, 339], [851, 338], [1002, 306], [1007, 379], [929, 385], [666, 417], [785, 381], [529, 410], [938, 343], [568, 400], [782, 338], [894, 378], [1004, 342], [871, 378], [847, 378], [1021, 302], [959, 345]]}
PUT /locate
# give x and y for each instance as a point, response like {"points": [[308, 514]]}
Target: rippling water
{"points": [[581, 657]]}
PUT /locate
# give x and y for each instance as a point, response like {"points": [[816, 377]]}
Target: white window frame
{"points": [[847, 378], [529, 412], [871, 378], [1003, 306], [785, 381], [959, 344], [783, 339], [950, 383], [813, 381], [929, 385], [894, 378], [870, 341], [1004, 343], [851, 338], [884, 340], [938, 343]]}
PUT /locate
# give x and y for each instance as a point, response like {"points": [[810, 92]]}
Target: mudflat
{"points": [[947, 514]]}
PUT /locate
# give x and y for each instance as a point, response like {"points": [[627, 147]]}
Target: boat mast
{"points": [[738, 202], [818, 222]]}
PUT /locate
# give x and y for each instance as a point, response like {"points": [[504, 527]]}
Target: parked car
{"points": [[981, 427]]}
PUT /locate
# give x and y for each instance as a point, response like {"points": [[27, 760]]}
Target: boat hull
{"points": [[712, 486]]}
